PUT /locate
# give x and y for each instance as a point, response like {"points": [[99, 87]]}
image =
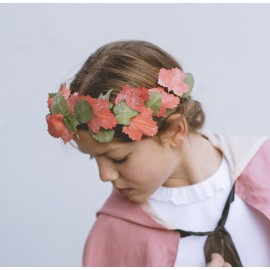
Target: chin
{"points": [[137, 199]]}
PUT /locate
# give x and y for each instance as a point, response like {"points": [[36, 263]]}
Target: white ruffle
{"points": [[196, 192]]}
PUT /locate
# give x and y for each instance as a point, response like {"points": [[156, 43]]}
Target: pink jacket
{"points": [[128, 234]]}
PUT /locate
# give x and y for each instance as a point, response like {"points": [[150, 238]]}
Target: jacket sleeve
{"points": [[253, 185]]}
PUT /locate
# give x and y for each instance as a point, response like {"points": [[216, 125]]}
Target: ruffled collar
{"points": [[183, 195]]}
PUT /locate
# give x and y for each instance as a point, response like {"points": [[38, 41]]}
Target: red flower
{"points": [[57, 128], [141, 124], [70, 99], [169, 101], [102, 116], [134, 97]]}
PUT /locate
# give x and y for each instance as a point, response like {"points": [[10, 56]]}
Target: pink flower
{"points": [[173, 79], [57, 128]]}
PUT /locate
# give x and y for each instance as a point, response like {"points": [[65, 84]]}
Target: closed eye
{"points": [[119, 161]]}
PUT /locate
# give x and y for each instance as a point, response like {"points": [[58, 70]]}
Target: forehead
{"points": [[88, 145]]}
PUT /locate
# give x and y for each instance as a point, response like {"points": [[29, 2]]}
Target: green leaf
{"points": [[71, 123], [104, 135], [51, 95], [54, 108], [60, 105], [154, 101], [190, 81], [123, 113], [83, 111]]}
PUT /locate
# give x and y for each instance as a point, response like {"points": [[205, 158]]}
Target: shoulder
{"points": [[238, 150], [242, 142], [127, 237], [253, 185], [119, 220], [249, 164], [265, 150], [259, 164], [104, 245]]}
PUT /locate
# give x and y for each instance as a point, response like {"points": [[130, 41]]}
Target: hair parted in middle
{"points": [[136, 63]]}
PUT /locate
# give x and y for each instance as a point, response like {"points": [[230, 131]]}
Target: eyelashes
{"points": [[116, 161], [120, 161]]}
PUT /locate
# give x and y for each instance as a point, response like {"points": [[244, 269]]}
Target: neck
{"points": [[198, 160]]}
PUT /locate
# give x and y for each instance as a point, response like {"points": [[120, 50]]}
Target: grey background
{"points": [[49, 192]]}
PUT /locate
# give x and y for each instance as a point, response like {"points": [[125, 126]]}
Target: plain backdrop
{"points": [[49, 192]]}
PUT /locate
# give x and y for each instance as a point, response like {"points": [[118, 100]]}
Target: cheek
{"points": [[148, 167], [146, 171], [137, 171]]}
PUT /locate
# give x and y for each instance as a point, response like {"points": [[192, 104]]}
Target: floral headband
{"points": [[134, 108]]}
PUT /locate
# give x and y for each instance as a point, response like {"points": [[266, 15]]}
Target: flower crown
{"points": [[136, 109]]}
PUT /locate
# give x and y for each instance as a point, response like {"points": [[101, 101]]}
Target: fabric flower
{"points": [[142, 124], [134, 97], [173, 79], [169, 101], [57, 128], [102, 116], [133, 108], [71, 99]]}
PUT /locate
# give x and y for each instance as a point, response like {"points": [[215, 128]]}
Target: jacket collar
{"points": [[119, 206], [238, 150]]}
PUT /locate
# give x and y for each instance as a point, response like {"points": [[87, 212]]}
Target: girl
{"points": [[181, 196]]}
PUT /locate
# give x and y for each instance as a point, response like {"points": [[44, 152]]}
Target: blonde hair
{"points": [[137, 64]]}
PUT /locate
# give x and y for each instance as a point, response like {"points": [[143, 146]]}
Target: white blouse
{"points": [[199, 207]]}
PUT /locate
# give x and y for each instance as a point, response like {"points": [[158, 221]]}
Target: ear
{"points": [[177, 130]]}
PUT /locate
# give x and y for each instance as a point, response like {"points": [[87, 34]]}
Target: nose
{"points": [[107, 172]]}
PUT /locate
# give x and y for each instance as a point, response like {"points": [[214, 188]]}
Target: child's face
{"points": [[138, 168]]}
